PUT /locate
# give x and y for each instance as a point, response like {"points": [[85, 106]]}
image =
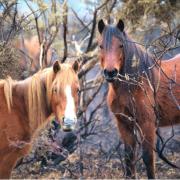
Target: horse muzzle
{"points": [[69, 124], [110, 75], [110, 80]]}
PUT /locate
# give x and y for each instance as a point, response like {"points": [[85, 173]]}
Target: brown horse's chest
{"points": [[131, 103], [117, 102]]}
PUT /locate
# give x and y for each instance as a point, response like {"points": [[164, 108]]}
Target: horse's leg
{"points": [[148, 146], [126, 131], [7, 164], [9, 161], [130, 159]]}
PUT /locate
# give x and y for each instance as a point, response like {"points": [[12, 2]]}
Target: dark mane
{"points": [[137, 62]]}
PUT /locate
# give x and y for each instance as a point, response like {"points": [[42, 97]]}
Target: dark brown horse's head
{"points": [[111, 49]]}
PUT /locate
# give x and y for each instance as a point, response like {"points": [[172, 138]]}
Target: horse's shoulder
{"points": [[177, 57], [173, 60], [172, 64]]}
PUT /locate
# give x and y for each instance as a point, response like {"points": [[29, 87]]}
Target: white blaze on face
{"points": [[70, 104]]}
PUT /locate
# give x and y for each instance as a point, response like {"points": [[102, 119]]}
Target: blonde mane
{"points": [[36, 101], [38, 92], [8, 84]]}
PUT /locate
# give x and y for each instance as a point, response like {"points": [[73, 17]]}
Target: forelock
{"points": [[110, 32]]}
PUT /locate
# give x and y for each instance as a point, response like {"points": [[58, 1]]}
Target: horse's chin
{"points": [[59, 120], [110, 80]]}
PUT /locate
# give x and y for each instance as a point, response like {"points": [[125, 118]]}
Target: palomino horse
{"points": [[137, 87], [27, 105]]}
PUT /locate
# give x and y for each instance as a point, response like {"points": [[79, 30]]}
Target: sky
{"points": [[78, 5]]}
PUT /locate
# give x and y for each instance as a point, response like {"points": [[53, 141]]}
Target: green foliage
{"points": [[162, 10]]}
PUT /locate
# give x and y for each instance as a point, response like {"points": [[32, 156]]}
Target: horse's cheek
{"points": [[102, 62], [53, 104], [101, 59]]}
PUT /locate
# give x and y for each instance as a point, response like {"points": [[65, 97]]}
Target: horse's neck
{"points": [[21, 90], [118, 87], [118, 96], [19, 100], [137, 59]]}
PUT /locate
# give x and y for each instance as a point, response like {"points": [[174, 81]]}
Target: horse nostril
{"points": [[110, 74], [114, 72], [105, 72]]}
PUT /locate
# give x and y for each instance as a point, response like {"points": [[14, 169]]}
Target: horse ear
{"points": [[56, 66], [101, 26], [75, 66], [120, 25]]}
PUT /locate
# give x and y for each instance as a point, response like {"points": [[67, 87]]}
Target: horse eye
{"points": [[54, 90], [101, 46], [121, 46]]}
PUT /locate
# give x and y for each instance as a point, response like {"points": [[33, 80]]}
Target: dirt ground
{"points": [[93, 168], [87, 162]]}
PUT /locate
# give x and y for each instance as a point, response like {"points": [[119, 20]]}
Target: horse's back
{"points": [[169, 91], [172, 67]]}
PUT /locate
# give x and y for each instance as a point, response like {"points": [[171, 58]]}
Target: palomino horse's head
{"points": [[64, 94], [111, 49]]}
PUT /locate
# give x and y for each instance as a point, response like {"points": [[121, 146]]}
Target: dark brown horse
{"points": [[27, 105], [143, 94]]}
